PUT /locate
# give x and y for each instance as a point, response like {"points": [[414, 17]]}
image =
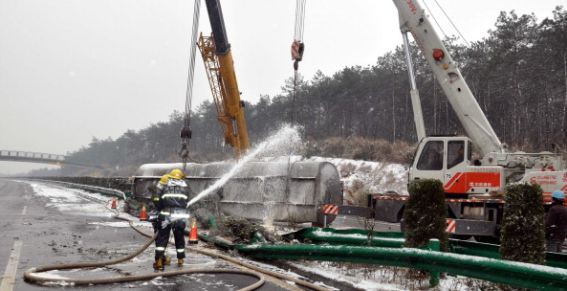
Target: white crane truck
{"points": [[474, 188]]}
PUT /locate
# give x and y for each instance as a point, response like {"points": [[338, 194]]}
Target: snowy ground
{"points": [[73, 201], [375, 278]]}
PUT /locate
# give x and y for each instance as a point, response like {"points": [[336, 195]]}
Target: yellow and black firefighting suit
{"points": [[171, 200]]}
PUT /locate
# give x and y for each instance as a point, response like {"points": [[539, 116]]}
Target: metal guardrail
{"points": [[361, 237], [389, 251], [97, 189], [500, 271], [123, 184]]}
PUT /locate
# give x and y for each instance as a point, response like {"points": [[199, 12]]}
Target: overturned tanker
{"points": [[279, 191]]}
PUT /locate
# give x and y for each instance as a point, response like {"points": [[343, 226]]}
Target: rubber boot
{"points": [[167, 261], [158, 264], [179, 263]]}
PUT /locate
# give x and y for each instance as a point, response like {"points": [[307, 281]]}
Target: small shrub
{"points": [[239, 228], [425, 213], [523, 229], [333, 147]]}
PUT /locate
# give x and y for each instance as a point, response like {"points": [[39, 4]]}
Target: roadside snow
{"points": [[347, 275], [365, 177], [121, 224], [374, 278], [360, 178], [73, 201]]}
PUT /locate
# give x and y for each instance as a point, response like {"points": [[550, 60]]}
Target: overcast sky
{"points": [[73, 70]]}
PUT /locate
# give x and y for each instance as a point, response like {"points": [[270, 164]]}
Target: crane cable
{"points": [[186, 130], [299, 20], [448, 19], [452, 23], [435, 19], [297, 48]]}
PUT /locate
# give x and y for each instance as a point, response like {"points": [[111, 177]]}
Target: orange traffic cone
{"points": [[143, 213], [193, 236], [113, 203]]}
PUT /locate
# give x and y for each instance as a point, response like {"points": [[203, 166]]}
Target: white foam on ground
{"points": [[344, 275], [50, 275], [121, 224]]}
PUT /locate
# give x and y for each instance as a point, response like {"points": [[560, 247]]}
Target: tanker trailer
{"points": [[283, 192]]}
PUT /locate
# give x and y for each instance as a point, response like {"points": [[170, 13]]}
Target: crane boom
{"points": [[414, 20], [219, 65], [466, 180]]}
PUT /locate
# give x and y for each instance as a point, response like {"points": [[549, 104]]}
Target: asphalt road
{"points": [[54, 225]]}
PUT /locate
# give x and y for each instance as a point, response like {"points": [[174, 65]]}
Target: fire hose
{"points": [[249, 266], [32, 274]]}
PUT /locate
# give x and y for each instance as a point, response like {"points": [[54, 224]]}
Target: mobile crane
{"points": [[474, 188], [219, 65]]}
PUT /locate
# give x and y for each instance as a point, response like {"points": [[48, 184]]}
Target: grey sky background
{"points": [[73, 70]]}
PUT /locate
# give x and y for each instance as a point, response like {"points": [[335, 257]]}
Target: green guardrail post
{"points": [[258, 238], [434, 245], [213, 222]]}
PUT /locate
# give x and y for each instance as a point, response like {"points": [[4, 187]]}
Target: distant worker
{"points": [[556, 222], [171, 199]]}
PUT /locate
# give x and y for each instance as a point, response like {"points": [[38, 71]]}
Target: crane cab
{"points": [[449, 159]]}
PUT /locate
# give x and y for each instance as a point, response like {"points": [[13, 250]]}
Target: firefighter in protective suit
{"points": [[171, 199]]}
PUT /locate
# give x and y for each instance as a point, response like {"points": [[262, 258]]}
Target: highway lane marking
{"points": [[9, 278], [24, 210]]}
